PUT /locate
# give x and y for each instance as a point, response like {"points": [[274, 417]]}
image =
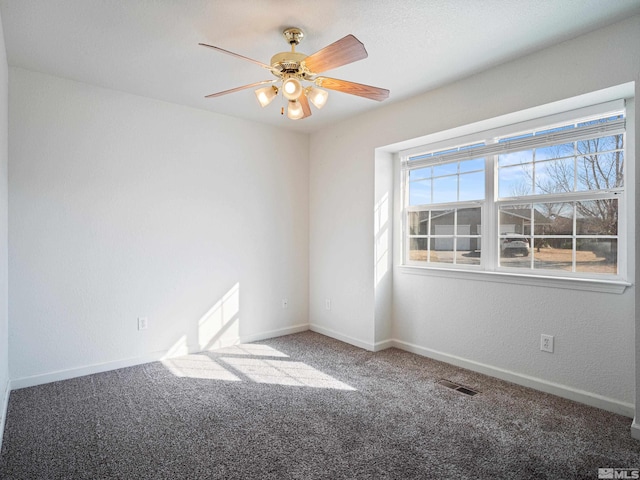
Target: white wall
{"points": [[497, 324], [122, 206], [383, 247], [4, 322]]}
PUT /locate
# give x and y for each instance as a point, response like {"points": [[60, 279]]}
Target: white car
{"points": [[513, 245]]}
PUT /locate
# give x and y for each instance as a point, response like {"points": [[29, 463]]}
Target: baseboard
{"points": [[56, 376], [343, 338], [379, 346], [303, 327], [564, 391], [3, 409], [635, 429]]}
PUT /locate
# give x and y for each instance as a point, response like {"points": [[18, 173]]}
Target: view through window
{"points": [[548, 200]]}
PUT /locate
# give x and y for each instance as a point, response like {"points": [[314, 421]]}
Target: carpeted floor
{"points": [[304, 406]]}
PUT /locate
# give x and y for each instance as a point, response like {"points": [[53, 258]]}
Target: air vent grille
{"points": [[458, 388]]}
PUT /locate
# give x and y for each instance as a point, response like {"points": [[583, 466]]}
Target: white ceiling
{"points": [[150, 47]]}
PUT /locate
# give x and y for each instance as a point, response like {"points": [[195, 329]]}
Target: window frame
{"points": [[490, 237]]}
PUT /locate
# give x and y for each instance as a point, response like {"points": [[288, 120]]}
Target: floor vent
{"points": [[458, 388]]}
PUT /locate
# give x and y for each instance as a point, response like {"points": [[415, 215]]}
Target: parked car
{"points": [[513, 245]]}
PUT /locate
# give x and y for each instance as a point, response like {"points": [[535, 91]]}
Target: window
{"points": [[548, 199]]}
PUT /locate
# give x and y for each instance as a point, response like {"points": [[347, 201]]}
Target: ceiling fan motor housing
{"points": [[289, 63]]}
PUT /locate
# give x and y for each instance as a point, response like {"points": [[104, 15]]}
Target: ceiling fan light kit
{"points": [[291, 88], [294, 112], [293, 68], [266, 95]]}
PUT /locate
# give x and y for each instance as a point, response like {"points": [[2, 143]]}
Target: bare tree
{"points": [[596, 164]]}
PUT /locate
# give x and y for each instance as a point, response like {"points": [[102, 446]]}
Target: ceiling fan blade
{"points": [[306, 109], [352, 88], [346, 50], [263, 65], [237, 89]]}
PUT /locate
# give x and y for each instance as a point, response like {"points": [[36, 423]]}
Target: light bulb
{"points": [[295, 112], [265, 95], [317, 97], [291, 88]]}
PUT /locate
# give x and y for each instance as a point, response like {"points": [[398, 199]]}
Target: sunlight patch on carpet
{"points": [[198, 366], [283, 372]]}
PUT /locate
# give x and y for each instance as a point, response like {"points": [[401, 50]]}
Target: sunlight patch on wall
{"points": [[178, 348], [283, 372], [381, 221], [220, 326]]}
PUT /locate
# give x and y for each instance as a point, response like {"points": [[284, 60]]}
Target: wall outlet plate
{"points": [[143, 323], [327, 304], [546, 343], [285, 303]]}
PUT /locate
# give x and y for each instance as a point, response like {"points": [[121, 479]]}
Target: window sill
{"points": [[591, 285]]}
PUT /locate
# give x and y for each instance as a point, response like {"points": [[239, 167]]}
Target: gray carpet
{"points": [[304, 407]]}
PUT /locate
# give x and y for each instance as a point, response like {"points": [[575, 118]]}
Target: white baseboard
{"points": [[3, 408], [303, 327], [379, 346], [343, 338], [56, 376], [635, 428], [564, 391]]}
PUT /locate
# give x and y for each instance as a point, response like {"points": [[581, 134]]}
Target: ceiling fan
{"points": [[293, 68]]}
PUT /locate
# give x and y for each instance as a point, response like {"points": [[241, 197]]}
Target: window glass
{"points": [[472, 186], [554, 176], [597, 256], [597, 217], [556, 205], [515, 181], [445, 189], [420, 192]]}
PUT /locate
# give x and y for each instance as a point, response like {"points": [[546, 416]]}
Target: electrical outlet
{"points": [[285, 303], [327, 304], [143, 323], [546, 343]]}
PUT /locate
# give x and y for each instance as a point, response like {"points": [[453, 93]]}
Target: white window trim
{"points": [[488, 270]]}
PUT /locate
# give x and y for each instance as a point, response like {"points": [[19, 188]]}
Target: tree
{"points": [[585, 165]]}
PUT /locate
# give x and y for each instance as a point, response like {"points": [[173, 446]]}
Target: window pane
{"points": [[442, 222], [597, 256], [554, 176], [599, 171], [602, 144], [515, 245], [418, 249], [554, 151], [515, 219], [442, 249], [597, 217], [445, 189], [445, 169], [515, 181], [553, 218], [469, 222], [420, 192], [554, 254], [420, 173], [418, 223], [471, 165], [472, 186], [467, 251], [515, 158]]}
